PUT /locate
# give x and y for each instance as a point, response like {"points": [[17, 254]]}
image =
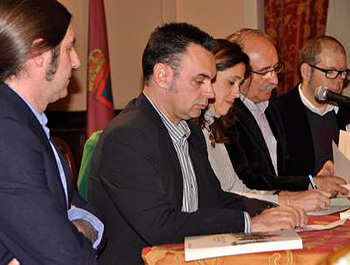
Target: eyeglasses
{"points": [[333, 74], [277, 68]]}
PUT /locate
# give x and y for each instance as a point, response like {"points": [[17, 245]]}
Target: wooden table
{"points": [[317, 247]]}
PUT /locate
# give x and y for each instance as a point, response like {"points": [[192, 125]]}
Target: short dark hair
{"points": [[22, 22], [313, 48], [168, 42], [227, 55]]}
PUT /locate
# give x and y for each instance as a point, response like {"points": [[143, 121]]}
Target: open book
{"points": [[201, 247]]}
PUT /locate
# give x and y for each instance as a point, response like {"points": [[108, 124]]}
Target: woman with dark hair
{"points": [[232, 69]]}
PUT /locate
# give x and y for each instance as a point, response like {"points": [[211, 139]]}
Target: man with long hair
{"points": [[41, 216]]}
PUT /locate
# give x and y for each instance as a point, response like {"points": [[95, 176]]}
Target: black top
{"points": [[136, 182], [298, 132], [324, 130], [250, 156], [34, 226]]}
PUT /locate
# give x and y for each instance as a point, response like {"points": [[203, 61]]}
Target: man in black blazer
{"points": [[258, 148], [41, 219], [310, 124], [150, 174]]}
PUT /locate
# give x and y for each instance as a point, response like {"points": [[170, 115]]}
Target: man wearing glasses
{"points": [[311, 125], [258, 143]]}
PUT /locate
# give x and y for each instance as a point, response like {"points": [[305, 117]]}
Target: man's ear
{"points": [[305, 71], [40, 58], [162, 75], [244, 88]]}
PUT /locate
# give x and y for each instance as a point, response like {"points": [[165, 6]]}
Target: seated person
{"points": [[258, 133], [150, 174], [232, 67], [42, 220], [311, 125]]}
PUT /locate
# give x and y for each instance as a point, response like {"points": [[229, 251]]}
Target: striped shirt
{"points": [[179, 134]]}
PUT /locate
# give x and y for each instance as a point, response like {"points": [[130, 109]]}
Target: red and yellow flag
{"points": [[100, 108]]}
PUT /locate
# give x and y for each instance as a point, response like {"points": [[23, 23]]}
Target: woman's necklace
{"points": [[210, 115], [211, 139]]}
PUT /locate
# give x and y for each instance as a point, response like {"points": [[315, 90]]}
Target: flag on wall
{"points": [[99, 108]]}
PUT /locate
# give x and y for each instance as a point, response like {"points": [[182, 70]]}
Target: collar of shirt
{"points": [[40, 117], [209, 117], [178, 133], [313, 108], [256, 109]]}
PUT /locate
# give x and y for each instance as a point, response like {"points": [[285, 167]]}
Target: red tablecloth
{"points": [[317, 246]]}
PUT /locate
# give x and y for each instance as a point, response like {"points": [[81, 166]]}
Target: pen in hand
{"points": [[313, 185]]}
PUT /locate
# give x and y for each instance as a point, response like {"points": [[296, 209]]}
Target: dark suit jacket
{"points": [[298, 131], [34, 226], [136, 183], [250, 156]]}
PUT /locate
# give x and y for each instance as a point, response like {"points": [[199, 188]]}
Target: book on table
{"points": [[210, 246]]}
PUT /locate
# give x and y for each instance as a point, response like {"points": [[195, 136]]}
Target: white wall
{"points": [[338, 26], [130, 23]]}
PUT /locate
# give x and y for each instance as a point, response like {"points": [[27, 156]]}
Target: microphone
{"points": [[322, 93]]}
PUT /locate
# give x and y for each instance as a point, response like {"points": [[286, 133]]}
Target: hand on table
{"points": [[309, 200], [331, 185], [327, 169], [279, 218]]}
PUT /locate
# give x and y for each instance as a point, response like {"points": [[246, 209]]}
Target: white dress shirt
{"points": [[258, 111]]}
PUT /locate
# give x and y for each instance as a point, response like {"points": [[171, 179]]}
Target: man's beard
{"points": [[53, 67]]}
